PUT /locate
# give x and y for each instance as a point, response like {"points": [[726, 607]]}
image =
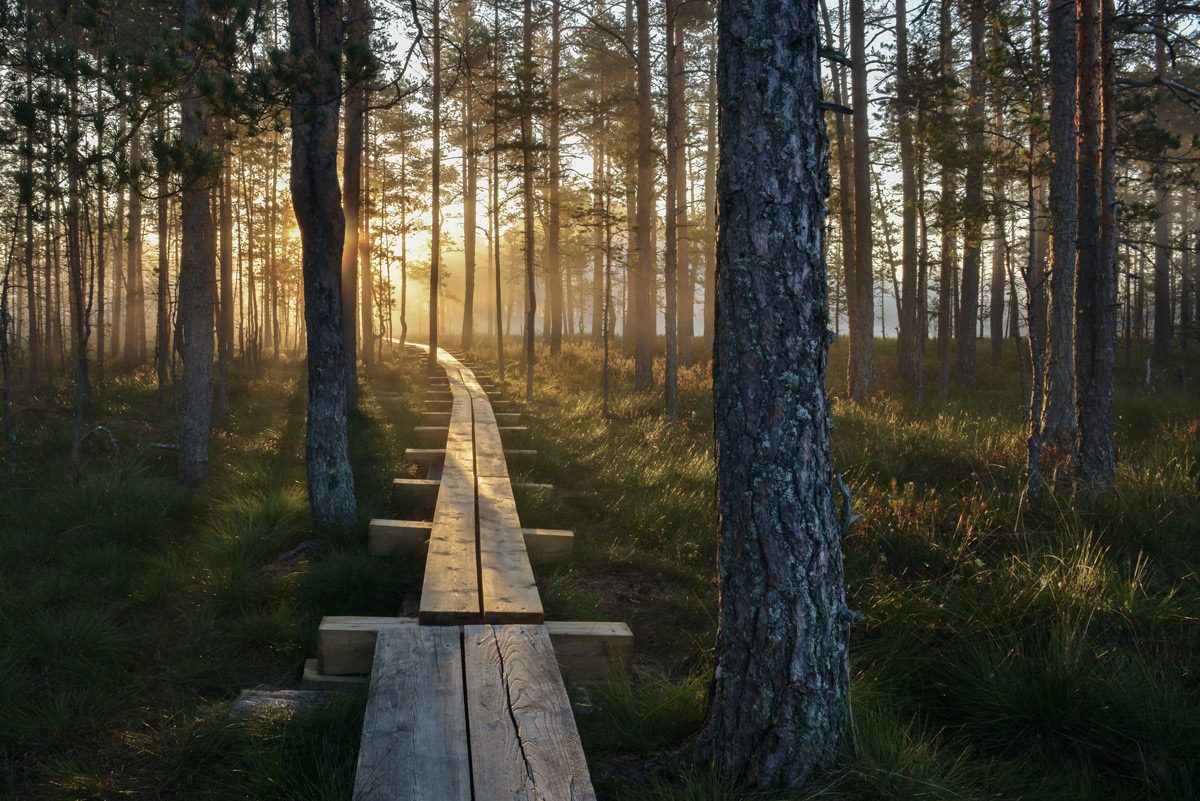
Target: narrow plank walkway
{"points": [[469, 704]]}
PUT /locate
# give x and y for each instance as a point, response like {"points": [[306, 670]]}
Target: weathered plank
{"points": [[429, 436], [398, 537], [590, 651], [450, 590], [313, 679], [416, 497], [524, 744], [585, 650], [548, 546], [506, 580], [414, 739]]}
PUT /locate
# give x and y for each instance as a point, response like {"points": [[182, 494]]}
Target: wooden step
{"points": [[429, 457], [586, 650], [386, 537], [314, 679], [416, 497]]}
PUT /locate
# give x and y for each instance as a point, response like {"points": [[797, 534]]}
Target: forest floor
{"points": [[1005, 653]]}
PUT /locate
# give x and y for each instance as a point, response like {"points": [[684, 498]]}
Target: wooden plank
{"points": [[585, 650], [429, 436], [524, 743], [416, 497], [507, 418], [489, 448], [590, 651], [398, 537], [346, 644], [313, 679], [450, 590], [548, 546], [385, 537], [414, 738], [426, 457], [436, 418], [506, 578]]}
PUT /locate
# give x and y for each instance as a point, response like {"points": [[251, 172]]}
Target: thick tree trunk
{"points": [[778, 708], [197, 277], [135, 284], [1058, 417], [315, 27], [862, 323], [1096, 277], [973, 207], [1000, 240]]}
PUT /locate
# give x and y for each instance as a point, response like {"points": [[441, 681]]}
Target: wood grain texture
{"points": [[450, 590], [524, 743], [414, 741], [346, 645], [509, 590]]}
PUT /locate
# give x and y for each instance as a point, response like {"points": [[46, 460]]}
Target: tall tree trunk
{"points": [[435, 207], [673, 263], [366, 277], [1035, 267], [778, 707], [644, 294], [470, 188], [1096, 276], [862, 324], [162, 320], [225, 292], [710, 200], [495, 187], [554, 268], [316, 30], [999, 243], [945, 210], [1058, 417], [352, 150], [78, 298], [527, 177], [118, 283], [973, 206], [685, 292], [908, 270], [197, 279], [135, 284], [1164, 318]]}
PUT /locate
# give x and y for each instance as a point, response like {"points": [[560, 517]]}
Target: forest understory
{"points": [[1005, 652]]}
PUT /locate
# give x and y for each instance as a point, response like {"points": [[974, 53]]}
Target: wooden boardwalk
{"points": [[467, 700]]}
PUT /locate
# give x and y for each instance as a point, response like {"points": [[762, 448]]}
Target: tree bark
{"points": [[673, 261], [225, 293], [316, 30], [197, 278], [435, 168], [973, 207], [644, 306], [470, 188], [554, 270], [527, 177], [162, 321], [1096, 277], [1058, 417], [778, 707], [862, 322], [908, 270], [352, 158], [1164, 318], [710, 201], [135, 284]]}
